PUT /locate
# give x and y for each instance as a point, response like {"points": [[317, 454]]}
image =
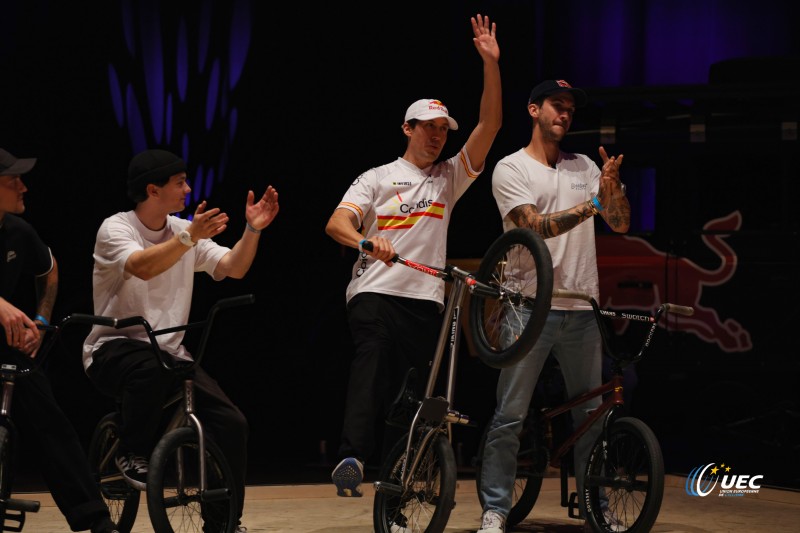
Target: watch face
{"points": [[186, 238]]}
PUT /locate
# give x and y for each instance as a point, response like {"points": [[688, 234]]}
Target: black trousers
{"points": [[391, 334], [62, 460], [127, 370]]}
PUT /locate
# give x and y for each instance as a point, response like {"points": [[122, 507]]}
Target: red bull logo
{"points": [[635, 275]]}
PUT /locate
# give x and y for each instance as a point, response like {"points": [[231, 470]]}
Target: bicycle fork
{"points": [[206, 495]]}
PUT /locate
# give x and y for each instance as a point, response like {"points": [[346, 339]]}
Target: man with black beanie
{"points": [[145, 260]]}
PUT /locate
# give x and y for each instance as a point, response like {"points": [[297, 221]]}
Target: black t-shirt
{"points": [[23, 257]]}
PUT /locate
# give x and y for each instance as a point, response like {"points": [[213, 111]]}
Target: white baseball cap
{"points": [[427, 109]]}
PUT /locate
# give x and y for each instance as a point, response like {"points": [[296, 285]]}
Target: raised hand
{"points": [[484, 39], [610, 184], [261, 214], [207, 224]]}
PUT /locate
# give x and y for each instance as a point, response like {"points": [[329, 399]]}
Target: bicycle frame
{"points": [[613, 386], [438, 411]]}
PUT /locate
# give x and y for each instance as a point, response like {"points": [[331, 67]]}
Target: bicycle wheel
{"points": [[630, 475], [425, 505], [5, 472], [122, 499], [174, 500], [531, 464], [504, 328]]}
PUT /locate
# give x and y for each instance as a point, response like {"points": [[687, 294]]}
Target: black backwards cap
{"points": [[549, 87]]}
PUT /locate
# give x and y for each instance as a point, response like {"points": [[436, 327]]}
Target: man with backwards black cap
{"points": [[557, 194], [29, 275], [145, 260]]}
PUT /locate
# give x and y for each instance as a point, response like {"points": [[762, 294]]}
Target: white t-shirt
{"points": [[164, 300], [519, 179], [411, 207]]}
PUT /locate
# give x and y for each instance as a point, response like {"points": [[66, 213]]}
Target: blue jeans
{"points": [[574, 340]]}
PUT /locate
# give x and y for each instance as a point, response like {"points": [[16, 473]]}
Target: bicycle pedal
{"points": [[573, 510], [434, 409], [14, 516]]}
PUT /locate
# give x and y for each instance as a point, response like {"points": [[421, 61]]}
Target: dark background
{"points": [[700, 94]]}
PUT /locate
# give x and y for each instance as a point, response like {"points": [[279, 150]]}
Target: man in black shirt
{"points": [[29, 275]]}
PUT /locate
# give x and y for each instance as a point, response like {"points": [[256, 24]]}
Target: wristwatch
{"points": [[186, 238], [624, 188]]}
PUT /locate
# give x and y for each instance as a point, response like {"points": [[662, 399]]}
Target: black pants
{"points": [[127, 369], [390, 334], [62, 460]]}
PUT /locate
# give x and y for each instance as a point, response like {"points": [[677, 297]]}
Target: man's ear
{"points": [[151, 189], [533, 110]]}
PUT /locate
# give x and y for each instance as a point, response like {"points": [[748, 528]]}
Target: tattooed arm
{"points": [[550, 224]]}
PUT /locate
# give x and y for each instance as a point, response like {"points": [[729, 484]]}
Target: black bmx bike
{"points": [[416, 487], [190, 486]]}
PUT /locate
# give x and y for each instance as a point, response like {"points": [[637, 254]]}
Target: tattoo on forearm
{"points": [[551, 224]]}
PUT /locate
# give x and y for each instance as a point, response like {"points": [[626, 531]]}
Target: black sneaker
{"points": [[134, 469]]}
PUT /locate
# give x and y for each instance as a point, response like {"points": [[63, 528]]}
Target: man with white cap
{"points": [[28, 288], [395, 313]]}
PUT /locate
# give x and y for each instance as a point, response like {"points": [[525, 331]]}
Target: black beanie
{"points": [[153, 166]]}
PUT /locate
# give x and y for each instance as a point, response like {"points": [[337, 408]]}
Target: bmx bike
{"points": [[190, 485], [416, 486], [624, 478]]}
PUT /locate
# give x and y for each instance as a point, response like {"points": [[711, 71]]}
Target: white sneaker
{"points": [[613, 521], [492, 522]]}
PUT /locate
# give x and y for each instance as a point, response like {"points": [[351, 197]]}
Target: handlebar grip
{"points": [[82, 318], [564, 293], [235, 301], [367, 245], [679, 309]]}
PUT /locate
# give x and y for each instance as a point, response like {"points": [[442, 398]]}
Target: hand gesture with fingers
{"points": [[260, 214], [207, 224], [484, 39], [610, 184]]}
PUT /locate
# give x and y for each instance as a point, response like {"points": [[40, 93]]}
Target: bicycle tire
{"points": [[516, 262], [6, 472], [172, 510], [426, 505], [532, 460], [630, 474], [121, 499]]}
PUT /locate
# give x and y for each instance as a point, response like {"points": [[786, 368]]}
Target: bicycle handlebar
{"points": [[446, 273], [667, 307], [166, 361]]}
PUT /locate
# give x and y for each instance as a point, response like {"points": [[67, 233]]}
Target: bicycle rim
{"points": [[504, 329], [122, 499], [173, 487], [425, 506], [630, 476]]}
